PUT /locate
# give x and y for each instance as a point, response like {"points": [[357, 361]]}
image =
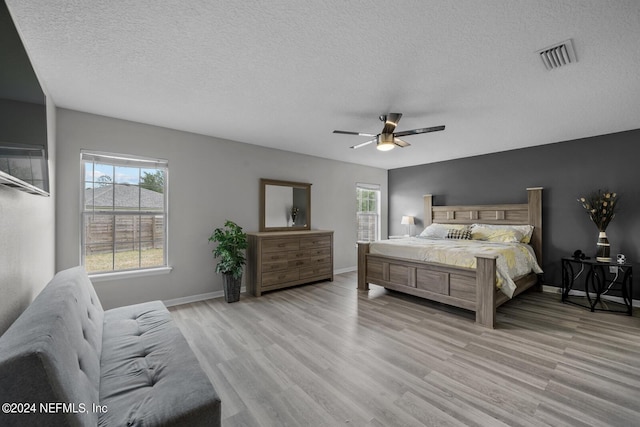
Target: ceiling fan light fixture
{"points": [[389, 138], [385, 142]]}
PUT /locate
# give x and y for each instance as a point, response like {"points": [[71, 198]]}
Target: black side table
{"points": [[598, 278]]}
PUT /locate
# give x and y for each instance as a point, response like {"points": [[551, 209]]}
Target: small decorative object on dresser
{"points": [[600, 206], [280, 259], [231, 242]]}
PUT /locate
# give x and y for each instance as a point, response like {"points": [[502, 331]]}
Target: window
{"points": [[124, 212], [368, 211]]}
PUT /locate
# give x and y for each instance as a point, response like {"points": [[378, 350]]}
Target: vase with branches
{"points": [[601, 207]]}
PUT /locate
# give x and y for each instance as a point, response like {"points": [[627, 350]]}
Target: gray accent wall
{"points": [[566, 170], [210, 180]]}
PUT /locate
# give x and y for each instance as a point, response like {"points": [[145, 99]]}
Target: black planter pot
{"points": [[231, 287]]}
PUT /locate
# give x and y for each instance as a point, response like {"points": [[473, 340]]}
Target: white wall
{"points": [[27, 235], [210, 180]]}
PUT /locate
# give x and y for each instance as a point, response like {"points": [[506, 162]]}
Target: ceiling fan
{"points": [[388, 139]]}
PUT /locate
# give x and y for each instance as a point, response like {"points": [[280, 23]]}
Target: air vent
{"points": [[558, 55]]}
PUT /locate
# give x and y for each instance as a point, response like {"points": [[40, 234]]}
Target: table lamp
{"points": [[407, 220]]}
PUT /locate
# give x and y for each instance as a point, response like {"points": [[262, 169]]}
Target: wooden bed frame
{"points": [[471, 289]]}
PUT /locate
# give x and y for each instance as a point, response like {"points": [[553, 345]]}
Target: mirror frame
{"points": [[263, 184]]}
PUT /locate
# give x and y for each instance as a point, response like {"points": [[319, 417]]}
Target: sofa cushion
{"points": [[51, 353], [150, 376]]}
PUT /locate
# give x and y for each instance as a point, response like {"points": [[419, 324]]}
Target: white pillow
{"points": [[440, 231], [502, 233]]}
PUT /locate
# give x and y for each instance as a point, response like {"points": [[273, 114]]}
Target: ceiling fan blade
{"points": [[419, 131], [391, 121], [363, 144], [400, 143], [345, 132]]}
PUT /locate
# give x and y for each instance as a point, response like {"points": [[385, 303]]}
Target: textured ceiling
{"points": [[285, 74]]}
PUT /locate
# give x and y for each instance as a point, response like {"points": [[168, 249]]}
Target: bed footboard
{"points": [[460, 287]]}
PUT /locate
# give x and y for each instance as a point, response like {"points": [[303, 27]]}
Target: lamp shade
{"points": [[407, 220]]}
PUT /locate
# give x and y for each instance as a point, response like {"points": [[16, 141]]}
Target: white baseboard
{"points": [[558, 290], [551, 289], [345, 270], [196, 298], [219, 294]]}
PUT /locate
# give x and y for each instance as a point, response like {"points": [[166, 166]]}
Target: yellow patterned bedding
{"points": [[514, 259]]}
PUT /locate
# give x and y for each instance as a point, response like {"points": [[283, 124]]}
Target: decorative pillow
{"points": [[439, 231], [502, 233], [463, 233]]}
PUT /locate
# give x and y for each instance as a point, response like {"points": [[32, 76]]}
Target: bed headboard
{"points": [[507, 214]]}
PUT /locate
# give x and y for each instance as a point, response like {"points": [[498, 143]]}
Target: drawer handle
{"points": [[300, 263], [281, 245]]}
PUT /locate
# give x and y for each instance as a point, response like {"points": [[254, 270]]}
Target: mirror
{"points": [[284, 205]]}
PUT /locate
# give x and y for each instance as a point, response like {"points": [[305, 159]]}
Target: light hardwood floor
{"points": [[327, 354]]}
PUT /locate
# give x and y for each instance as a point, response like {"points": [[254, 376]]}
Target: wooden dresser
{"points": [[279, 259]]}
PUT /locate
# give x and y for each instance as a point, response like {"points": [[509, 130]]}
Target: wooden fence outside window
{"points": [[120, 233]]}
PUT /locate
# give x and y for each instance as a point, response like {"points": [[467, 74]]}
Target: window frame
{"points": [[127, 161], [378, 189]]}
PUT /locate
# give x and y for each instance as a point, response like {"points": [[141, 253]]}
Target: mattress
{"points": [[514, 260]]}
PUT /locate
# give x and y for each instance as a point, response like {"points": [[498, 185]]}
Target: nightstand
{"points": [[595, 279]]}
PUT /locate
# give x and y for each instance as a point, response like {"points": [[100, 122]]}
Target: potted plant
{"points": [[231, 243]]}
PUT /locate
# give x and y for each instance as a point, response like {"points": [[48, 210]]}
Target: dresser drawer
{"points": [[291, 255], [317, 260], [322, 270], [314, 242], [278, 245], [277, 277], [274, 257], [274, 266], [309, 253], [309, 262]]}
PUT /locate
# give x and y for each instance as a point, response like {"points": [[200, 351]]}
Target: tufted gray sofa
{"points": [[68, 362]]}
